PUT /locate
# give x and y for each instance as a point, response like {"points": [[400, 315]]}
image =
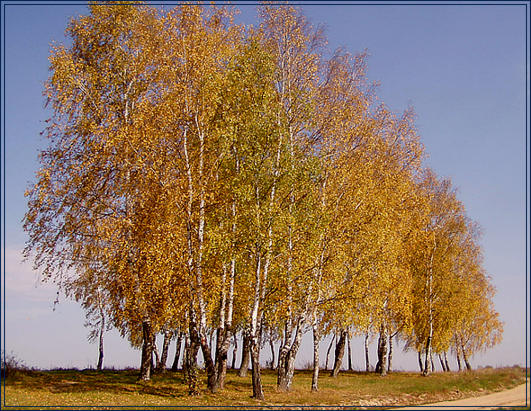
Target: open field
{"points": [[110, 388]]}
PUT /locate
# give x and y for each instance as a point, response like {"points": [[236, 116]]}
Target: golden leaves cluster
{"points": [[182, 144]]}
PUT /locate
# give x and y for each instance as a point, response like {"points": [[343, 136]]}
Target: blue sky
{"points": [[462, 68]]}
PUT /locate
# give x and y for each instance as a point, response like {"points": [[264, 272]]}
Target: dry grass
{"points": [[108, 389]]}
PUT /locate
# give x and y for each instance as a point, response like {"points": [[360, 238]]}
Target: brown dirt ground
{"points": [[515, 397]]}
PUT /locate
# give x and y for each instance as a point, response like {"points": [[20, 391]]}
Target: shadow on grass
{"points": [[241, 382], [167, 384]]}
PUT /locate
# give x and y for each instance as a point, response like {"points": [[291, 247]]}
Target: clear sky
{"points": [[463, 69]]}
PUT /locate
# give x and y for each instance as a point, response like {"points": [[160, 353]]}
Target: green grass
{"points": [[93, 389]]}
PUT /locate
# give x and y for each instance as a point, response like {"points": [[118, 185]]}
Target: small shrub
{"points": [[11, 366]]}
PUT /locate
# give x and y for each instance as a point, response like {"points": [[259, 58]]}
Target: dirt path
{"points": [[514, 397]]}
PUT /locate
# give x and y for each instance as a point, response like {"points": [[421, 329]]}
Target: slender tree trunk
{"points": [[195, 251], [315, 374], [282, 355], [161, 365], [246, 351], [443, 366], [209, 365], [261, 278], [290, 358], [381, 366], [191, 369], [211, 344], [224, 336], [102, 330], [286, 366], [175, 365], [429, 297], [147, 351], [339, 352], [155, 363], [186, 353], [258, 393], [221, 363], [349, 353], [367, 363], [315, 317], [420, 362], [446, 362], [192, 349], [224, 332], [194, 263], [458, 359], [427, 362], [255, 330], [432, 363], [272, 346], [390, 355], [328, 351], [468, 366], [287, 362], [234, 351]]}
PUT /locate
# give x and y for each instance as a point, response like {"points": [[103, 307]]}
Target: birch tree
{"points": [[99, 170]]}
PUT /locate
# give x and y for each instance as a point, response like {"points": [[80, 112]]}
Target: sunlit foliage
{"points": [[216, 178]]}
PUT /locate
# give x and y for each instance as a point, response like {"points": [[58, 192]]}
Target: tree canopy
{"points": [[210, 177]]}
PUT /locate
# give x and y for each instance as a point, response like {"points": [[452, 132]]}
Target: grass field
{"points": [[109, 388]]}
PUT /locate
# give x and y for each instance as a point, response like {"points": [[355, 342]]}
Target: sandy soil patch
{"points": [[515, 397]]}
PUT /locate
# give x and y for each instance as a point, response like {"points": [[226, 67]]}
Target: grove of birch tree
{"points": [[206, 180]]}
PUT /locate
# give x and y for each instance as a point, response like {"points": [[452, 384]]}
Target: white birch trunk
{"points": [[427, 361]]}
